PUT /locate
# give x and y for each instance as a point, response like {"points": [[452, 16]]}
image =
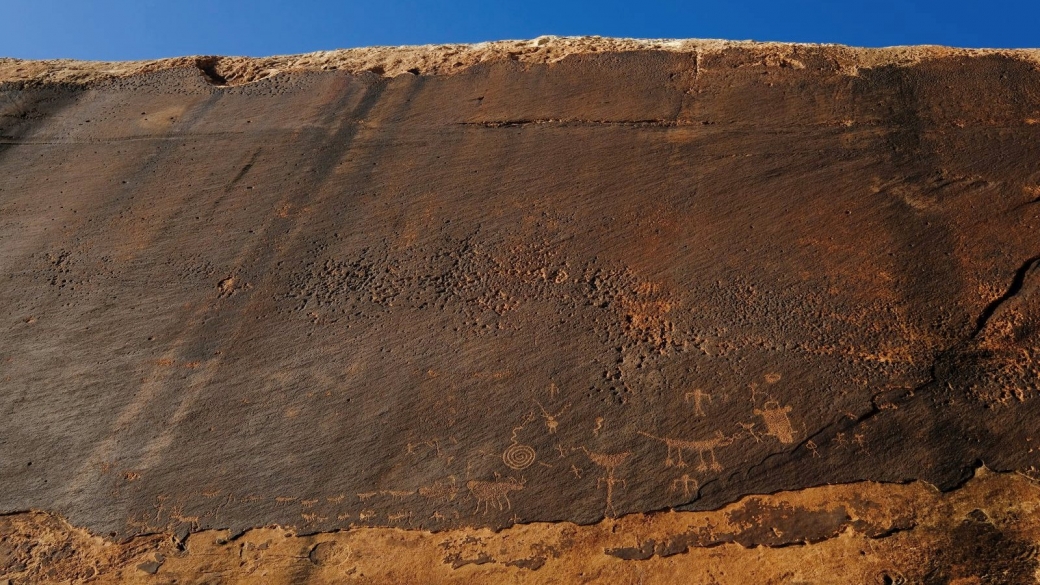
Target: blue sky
{"points": [[140, 29]]}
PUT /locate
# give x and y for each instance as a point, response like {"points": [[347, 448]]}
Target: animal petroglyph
{"points": [[609, 462], [396, 494], [551, 420], [494, 493], [677, 446], [698, 396], [444, 491], [777, 422]]}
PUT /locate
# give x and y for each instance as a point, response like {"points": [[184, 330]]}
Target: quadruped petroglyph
{"points": [[674, 455], [494, 493]]}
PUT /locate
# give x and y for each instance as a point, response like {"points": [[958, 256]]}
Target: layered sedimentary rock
{"points": [[463, 288]]}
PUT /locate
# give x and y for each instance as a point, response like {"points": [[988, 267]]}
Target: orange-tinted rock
{"points": [[565, 286]]}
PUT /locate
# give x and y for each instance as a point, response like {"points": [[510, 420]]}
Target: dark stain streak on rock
{"points": [[620, 282]]}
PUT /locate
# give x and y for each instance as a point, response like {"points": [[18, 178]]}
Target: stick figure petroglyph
{"points": [[598, 427], [576, 471], [813, 448], [609, 462], [749, 428], [494, 493], [685, 481], [551, 422], [778, 424], [698, 396], [677, 446]]}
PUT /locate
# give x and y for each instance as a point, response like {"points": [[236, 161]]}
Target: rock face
{"points": [[563, 280]]}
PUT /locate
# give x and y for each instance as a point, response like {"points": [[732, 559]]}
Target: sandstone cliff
{"points": [[602, 296]]}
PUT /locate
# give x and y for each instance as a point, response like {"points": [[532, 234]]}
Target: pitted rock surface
{"points": [[617, 282]]}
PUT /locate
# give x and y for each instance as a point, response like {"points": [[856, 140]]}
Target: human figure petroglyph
{"points": [[598, 427], [813, 448], [686, 482], [677, 446], [551, 420], [749, 428], [494, 493], [698, 397], [609, 462], [778, 424]]}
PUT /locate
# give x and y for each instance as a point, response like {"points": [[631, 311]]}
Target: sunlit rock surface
{"points": [[424, 293]]}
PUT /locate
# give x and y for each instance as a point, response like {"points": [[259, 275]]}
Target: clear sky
{"points": [[140, 29]]}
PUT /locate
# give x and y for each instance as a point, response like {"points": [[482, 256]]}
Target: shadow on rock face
{"points": [[979, 552]]}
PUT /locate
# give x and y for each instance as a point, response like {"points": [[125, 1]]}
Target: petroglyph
{"points": [[813, 448], [396, 495], [609, 462], [443, 491], [749, 428], [598, 427], [778, 424], [687, 483], [551, 420], [519, 456], [677, 446], [494, 493], [698, 396]]}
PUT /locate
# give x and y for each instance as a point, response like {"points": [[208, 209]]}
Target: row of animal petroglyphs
{"points": [[544, 438], [770, 419]]}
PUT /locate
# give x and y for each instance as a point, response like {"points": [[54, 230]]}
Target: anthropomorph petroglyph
{"points": [[609, 462], [677, 446], [687, 483], [494, 493], [551, 420], [698, 396], [778, 424]]}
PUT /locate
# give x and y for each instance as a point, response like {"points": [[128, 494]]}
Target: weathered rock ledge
{"points": [[454, 58]]}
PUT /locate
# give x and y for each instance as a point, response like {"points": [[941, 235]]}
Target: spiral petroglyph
{"points": [[518, 456]]}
